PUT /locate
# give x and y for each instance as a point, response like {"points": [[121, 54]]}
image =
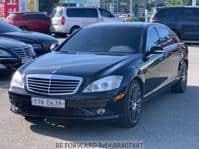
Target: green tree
{"points": [[47, 5], [31, 5], [179, 2]]}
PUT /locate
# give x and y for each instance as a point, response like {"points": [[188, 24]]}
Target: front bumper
{"points": [[10, 64], [81, 107]]}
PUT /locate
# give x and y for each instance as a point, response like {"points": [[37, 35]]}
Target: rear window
{"points": [[105, 13], [82, 12], [11, 16], [58, 12]]}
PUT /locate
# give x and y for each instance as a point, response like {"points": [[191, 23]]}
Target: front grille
{"points": [[23, 53], [53, 84]]}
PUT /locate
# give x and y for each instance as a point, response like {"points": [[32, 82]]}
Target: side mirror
{"points": [[54, 46], [153, 50], [156, 50]]}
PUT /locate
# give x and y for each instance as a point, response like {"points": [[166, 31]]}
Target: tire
{"points": [[24, 28], [132, 105], [181, 85], [34, 120], [74, 29]]}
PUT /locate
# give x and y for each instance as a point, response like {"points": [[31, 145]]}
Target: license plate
{"points": [[46, 102]]}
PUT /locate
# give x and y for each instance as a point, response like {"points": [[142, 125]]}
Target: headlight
{"points": [[17, 80], [3, 53], [104, 84], [36, 46]]}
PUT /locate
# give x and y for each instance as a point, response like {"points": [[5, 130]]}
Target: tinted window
{"points": [[82, 12], [168, 13], [153, 39], [105, 13], [11, 16], [35, 17], [163, 32], [105, 40], [191, 13], [5, 27]]}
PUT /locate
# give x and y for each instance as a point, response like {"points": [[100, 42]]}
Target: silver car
{"points": [[67, 20]]}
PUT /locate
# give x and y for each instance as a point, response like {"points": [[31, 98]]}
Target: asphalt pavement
{"points": [[169, 121]]}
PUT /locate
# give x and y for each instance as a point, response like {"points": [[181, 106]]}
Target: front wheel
{"points": [[132, 105], [181, 85]]}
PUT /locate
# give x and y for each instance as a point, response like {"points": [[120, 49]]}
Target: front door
{"points": [[156, 67]]}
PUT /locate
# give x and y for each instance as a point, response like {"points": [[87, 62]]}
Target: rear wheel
{"points": [[132, 105], [24, 28], [74, 29], [181, 85]]}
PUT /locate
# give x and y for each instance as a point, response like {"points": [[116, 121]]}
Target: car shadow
{"points": [[5, 80], [165, 117]]}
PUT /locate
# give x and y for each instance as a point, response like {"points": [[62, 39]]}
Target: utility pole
{"points": [[193, 2], [131, 8], [146, 11], [36, 3]]}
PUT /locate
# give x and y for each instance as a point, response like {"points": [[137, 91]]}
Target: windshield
{"points": [[107, 40], [6, 27]]}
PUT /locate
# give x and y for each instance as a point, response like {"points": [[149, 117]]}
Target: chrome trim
{"points": [[48, 83], [23, 52]]}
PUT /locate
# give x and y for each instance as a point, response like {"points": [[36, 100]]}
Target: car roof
{"points": [[27, 12], [177, 7], [79, 7], [142, 25]]}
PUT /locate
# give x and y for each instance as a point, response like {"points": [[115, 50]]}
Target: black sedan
{"points": [[40, 42], [104, 71], [13, 54]]}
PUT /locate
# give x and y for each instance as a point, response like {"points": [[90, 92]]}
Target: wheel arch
{"points": [[74, 26], [141, 82]]}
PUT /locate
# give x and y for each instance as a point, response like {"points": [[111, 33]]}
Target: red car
{"points": [[33, 21]]}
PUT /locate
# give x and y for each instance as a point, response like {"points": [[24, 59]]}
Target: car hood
{"points": [[72, 64], [6, 43], [29, 36]]}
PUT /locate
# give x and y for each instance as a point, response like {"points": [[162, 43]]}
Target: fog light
{"points": [[101, 111], [14, 108]]}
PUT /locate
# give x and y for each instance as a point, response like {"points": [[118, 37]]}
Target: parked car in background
{"points": [[40, 42], [13, 54], [31, 21], [95, 74], [67, 20], [184, 21]]}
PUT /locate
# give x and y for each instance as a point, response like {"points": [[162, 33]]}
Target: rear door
{"points": [[189, 24], [171, 47]]}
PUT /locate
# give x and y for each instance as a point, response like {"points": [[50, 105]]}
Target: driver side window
{"points": [[152, 39]]}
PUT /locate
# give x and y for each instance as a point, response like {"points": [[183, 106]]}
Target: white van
{"points": [[66, 20]]}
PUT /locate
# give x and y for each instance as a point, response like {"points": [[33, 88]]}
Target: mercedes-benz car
{"points": [[13, 54], [40, 42], [103, 71]]}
